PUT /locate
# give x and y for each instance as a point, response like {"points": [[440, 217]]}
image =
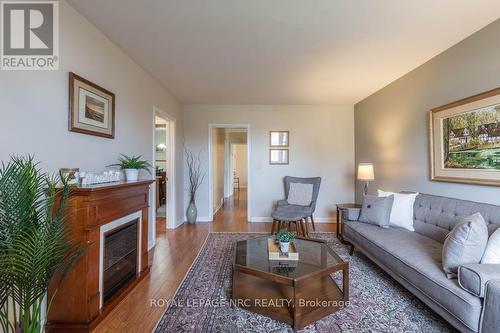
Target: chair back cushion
{"points": [[300, 194], [436, 216], [315, 181]]}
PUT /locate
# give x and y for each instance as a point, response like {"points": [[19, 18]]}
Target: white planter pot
{"points": [[131, 174], [284, 247]]}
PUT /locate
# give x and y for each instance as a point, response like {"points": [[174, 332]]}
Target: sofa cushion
{"points": [[376, 210], [465, 244], [492, 252], [402, 209], [417, 260], [473, 277]]}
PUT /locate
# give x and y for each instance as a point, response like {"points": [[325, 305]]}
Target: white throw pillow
{"points": [[300, 194], [402, 209], [492, 253]]}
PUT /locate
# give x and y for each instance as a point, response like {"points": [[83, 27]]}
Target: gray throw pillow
{"points": [[376, 210], [465, 244]]}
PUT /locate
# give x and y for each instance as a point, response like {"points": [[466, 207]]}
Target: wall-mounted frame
{"points": [[465, 140], [279, 138], [278, 156], [91, 108]]}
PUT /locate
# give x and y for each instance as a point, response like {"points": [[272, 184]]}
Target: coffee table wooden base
{"points": [[297, 304]]}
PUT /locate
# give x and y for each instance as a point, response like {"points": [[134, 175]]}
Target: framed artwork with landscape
{"points": [[91, 108], [465, 140]]}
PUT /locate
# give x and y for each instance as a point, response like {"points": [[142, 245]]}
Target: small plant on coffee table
{"points": [[285, 237]]}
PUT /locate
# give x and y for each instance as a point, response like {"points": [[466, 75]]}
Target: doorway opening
{"points": [[163, 205], [161, 165], [229, 154]]}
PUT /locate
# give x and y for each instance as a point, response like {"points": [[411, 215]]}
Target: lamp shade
{"points": [[365, 171]]}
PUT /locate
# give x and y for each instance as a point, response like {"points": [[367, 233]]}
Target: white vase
{"points": [[131, 174], [284, 247]]}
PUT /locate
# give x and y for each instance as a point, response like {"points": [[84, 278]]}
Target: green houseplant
{"points": [[132, 164], [285, 237], [35, 246]]}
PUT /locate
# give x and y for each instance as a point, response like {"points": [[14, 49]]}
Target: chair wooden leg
{"points": [[273, 228], [302, 227], [306, 227], [312, 221]]}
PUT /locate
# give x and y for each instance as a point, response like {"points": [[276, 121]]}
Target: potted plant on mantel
{"points": [[131, 165], [36, 250], [285, 237], [196, 177]]}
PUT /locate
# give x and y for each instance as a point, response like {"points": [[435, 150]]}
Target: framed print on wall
{"points": [[91, 108], [279, 138], [465, 140], [278, 156]]}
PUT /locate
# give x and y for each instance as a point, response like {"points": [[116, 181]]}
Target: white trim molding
{"points": [[210, 178], [171, 198]]}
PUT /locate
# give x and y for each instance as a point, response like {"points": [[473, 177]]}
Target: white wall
{"points": [[392, 125], [322, 144], [34, 106]]}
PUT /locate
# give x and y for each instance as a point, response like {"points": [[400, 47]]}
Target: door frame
{"points": [[211, 127], [170, 190]]}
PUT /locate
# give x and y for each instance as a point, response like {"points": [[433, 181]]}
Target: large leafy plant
{"points": [[36, 250], [134, 162]]}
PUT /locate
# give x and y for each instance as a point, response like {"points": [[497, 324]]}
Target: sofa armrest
{"points": [[490, 319], [474, 277], [351, 214]]}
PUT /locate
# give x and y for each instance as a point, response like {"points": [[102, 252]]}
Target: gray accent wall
{"points": [[391, 126]]}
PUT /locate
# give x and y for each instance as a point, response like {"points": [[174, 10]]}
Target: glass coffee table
{"points": [[295, 292]]}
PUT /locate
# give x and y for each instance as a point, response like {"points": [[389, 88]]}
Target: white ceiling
{"points": [[284, 51]]}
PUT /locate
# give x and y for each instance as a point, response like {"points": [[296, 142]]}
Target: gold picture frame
{"points": [[279, 156], [279, 138], [464, 140]]}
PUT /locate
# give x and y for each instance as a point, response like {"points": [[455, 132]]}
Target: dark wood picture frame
{"points": [[72, 120]]}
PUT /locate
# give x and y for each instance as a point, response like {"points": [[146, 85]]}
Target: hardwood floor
{"points": [[173, 255]]}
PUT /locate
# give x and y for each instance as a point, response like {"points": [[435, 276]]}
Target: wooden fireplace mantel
{"points": [[76, 306]]}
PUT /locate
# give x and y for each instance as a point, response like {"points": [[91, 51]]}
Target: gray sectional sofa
{"points": [[470, 303]]}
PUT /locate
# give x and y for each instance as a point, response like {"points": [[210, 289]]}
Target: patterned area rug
{"points": [[377, 302]]}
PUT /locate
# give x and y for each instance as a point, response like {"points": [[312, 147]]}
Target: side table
{"points": [[340, 227]]}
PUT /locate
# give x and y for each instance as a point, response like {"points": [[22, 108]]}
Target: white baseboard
{"points": [[261, 219], [203, 219], [178, 223], [219, 207]]}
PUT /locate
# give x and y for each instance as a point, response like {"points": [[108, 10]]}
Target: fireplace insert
{"points": [[120, 258]]}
